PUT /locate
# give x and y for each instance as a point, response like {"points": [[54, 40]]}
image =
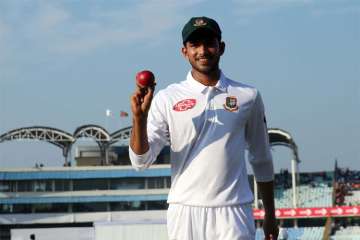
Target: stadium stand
{"points": [[315, 190], [353, 199], [318, 196], [301, 233], [346, 193], [347, 233], [347, 187]]}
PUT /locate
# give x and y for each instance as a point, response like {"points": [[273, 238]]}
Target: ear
{"points": [[184, 52], [222, 48]]}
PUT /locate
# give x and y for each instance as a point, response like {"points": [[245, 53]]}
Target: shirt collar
{"points": [[221, 85]]}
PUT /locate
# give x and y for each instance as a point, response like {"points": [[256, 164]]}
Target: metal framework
{"points": [[98, 133], [278, 136], [62, 139], [65, 140], [122, 134], [51, 135]]}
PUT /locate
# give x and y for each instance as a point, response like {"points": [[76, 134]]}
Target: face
{"points": [[203, 50]]}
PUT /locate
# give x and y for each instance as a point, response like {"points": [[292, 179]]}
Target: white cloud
{"points": [[4, 36], [249, 8], [339, 10], [50, 17], [270, 2], [68, 28], [4, 29], [245, 10]]}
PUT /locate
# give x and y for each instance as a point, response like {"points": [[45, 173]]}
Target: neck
{"points": [[207, 79]]}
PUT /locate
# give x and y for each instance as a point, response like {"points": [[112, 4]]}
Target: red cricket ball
{"points": [[145, 79]]}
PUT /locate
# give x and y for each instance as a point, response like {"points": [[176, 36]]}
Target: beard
{"points": [[206, 68]]}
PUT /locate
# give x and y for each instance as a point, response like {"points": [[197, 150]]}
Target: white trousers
{"points": [[210, 223]]}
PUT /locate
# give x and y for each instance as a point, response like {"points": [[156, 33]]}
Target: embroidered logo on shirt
{"points": [[184, 105], [231, 104]]}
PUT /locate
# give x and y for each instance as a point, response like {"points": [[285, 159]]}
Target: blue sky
{"points": [[63, 63]]}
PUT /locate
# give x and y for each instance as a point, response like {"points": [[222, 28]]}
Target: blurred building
{"points": [[98, 195]]}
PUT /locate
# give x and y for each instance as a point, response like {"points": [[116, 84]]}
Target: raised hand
{"points": [[141, 101]]}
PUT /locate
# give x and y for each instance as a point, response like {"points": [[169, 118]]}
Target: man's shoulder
{"points": [[242, 88], [171, 89], [240, 85], [165, 95]]}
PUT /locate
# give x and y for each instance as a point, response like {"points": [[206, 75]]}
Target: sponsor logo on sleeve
{"points": [[184, 105]]}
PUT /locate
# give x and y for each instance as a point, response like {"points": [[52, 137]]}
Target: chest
{"points": [[220, 112]]}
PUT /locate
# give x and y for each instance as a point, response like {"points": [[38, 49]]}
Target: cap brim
{"points": [[200, 29]]}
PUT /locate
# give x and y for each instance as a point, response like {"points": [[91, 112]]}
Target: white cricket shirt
{"points": [[208, 129]]}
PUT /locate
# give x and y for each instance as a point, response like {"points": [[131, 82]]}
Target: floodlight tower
{"points": [[280, 137]]}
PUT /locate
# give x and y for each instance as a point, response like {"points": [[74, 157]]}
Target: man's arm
{"points": [[150, 131], [261, 160], [266, 190], [138, 139], [139, 142], [140, 105]]}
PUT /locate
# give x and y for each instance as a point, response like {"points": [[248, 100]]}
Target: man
{"points": [[208, 120]]}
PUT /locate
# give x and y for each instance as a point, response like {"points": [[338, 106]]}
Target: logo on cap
{"points": [[231, 104], [199, 22]]}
